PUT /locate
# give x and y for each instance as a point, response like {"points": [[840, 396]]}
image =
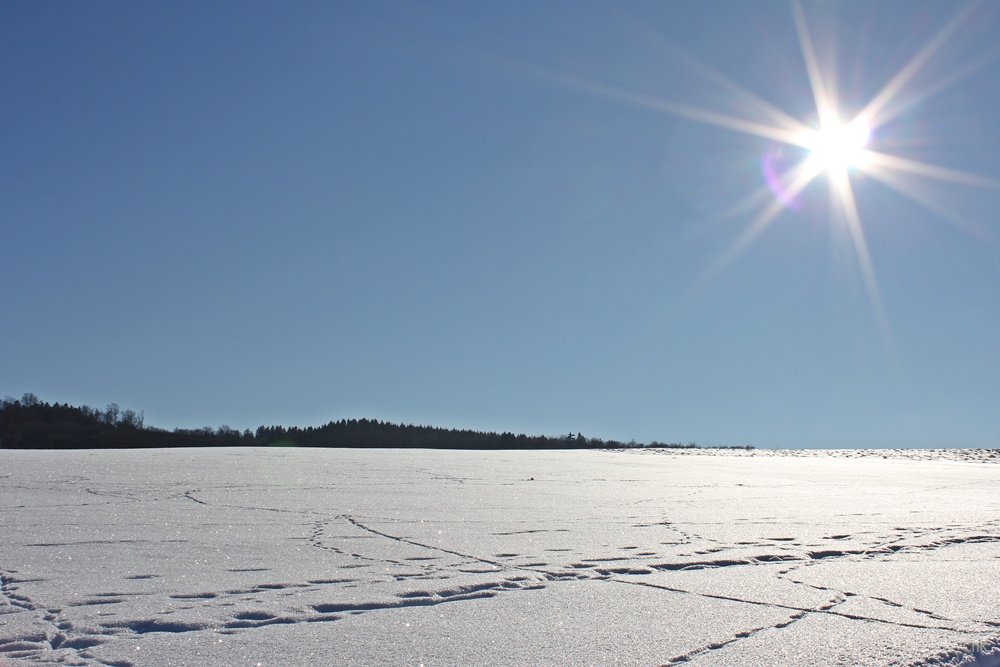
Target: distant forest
{"points": [[29, 423]]}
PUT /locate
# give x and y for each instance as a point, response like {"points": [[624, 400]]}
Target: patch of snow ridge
{"points": [[978, 654]]}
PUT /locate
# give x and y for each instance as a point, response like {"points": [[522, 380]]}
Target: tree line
{"points": [[29, 423]]}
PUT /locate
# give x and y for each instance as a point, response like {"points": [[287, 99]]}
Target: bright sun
{"points": [[837, 146], [834, 148]]}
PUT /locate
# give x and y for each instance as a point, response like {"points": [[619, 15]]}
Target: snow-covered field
{"points": [[389, 557]]}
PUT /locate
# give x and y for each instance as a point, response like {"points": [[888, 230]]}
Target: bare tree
{"points": [[111, 413]]}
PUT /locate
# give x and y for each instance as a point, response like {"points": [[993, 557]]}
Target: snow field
{"points": [[364, 557]]}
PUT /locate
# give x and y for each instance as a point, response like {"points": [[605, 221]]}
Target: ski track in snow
{"points": [[105, 553]]}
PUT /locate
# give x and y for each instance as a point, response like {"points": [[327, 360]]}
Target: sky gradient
{"points": [[500, 217]]}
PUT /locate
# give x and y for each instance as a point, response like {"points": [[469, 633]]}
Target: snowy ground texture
{"points": [[393, 557]]}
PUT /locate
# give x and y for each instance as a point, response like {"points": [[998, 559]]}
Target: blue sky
{"points": [[503, 216]]}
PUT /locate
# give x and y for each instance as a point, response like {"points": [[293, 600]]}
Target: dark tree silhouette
{"points": [[29, 423]]}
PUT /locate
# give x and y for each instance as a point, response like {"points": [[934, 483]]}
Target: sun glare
{"points": [[837, 146], [835, 149]]}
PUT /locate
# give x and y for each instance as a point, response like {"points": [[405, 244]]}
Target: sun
{"points": [[837, 147]]}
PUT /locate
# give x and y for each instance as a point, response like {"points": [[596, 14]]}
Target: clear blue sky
{"points": [[501, 216]]}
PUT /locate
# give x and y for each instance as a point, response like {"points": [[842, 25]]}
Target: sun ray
{"points": [[896, 107], [820, 97], [726, 121], [877, 160], [752, 202], [903, 77], [920, 197], [777, 115], [841, 182], [791, 136], [796, 179], [836, 147]]}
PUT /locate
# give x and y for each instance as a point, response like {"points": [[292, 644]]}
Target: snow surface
{"points": [[407, 557]]}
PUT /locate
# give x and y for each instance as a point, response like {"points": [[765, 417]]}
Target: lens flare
{"points": [[834, 149]]}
